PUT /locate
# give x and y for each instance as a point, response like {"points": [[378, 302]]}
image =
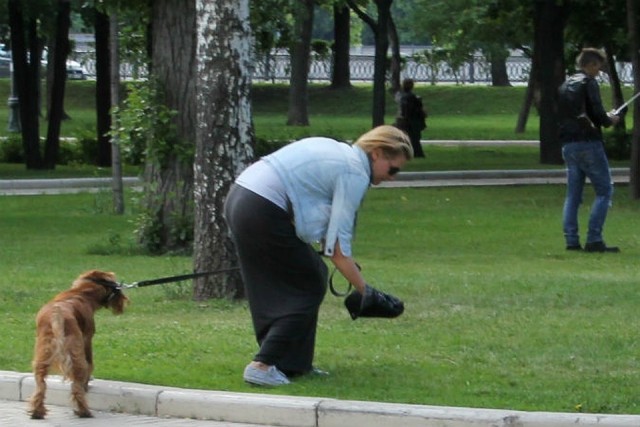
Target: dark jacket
{"points": [[580, 110], [412, 113]]}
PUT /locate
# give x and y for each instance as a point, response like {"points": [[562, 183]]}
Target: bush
{"points": [[66, 152], [617, 144], [11, 150]]}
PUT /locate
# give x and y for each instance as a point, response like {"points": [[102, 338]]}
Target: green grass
{"points": [[498, 314]]}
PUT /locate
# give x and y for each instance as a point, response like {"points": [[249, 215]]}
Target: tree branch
{"points": [[363, 15]]}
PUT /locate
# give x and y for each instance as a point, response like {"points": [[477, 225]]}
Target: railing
{"points": [[277, 68]]}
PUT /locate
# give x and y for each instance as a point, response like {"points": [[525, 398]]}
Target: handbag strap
{"points": [[332, 288]]}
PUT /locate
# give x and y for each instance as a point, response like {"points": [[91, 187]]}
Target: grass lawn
{"points": [[498, 314]]}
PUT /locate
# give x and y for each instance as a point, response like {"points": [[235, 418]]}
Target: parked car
{"points": [[75, 71]]}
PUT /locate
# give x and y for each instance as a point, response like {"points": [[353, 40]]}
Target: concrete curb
{"points": [[288, 411]]}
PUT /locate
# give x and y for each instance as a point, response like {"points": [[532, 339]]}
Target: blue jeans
{"points": [[586, 159]]}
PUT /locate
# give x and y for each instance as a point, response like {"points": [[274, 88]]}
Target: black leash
{"points": [[178, 278], [169, 279]]}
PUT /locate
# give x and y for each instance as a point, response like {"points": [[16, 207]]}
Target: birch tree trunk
{"points": [[224, 136]]}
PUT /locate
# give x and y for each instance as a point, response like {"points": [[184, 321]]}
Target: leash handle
{"points": [[332, 288]]}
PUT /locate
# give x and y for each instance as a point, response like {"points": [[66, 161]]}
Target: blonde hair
{"points": [[390, 139], [591, 55]]}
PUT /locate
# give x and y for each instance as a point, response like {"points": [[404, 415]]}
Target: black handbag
{"points": [[373, 303]]}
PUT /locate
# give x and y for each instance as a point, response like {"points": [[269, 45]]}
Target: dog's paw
{"points": [[38, 414], [84, 414]]}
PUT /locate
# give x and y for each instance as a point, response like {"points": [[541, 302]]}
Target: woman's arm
{"points": [[348, 268]]}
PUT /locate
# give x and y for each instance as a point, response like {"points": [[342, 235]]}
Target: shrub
{"points": [[617, 144], [11, 150]]}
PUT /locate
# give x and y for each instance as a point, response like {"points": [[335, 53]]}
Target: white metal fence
{"points": [[277, 67]]}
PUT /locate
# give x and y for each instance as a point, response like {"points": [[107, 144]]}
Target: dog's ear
{"points": [[117, 301]]}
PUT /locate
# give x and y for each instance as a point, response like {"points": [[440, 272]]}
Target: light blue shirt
{"points": [[325, 182]]}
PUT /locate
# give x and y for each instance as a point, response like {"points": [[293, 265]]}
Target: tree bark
{"points": [[341, 76], [380, 66], [396, 62], [498, 58], [103, 89], [298, 114], [169, 177], [549, 22], [634, 45], [380, 31], [26, 80], [224, 136], [617, 98], [114, 79], [56, 96], [529, 96]]}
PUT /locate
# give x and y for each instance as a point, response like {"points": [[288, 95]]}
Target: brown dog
{"points": [[64, 330]]}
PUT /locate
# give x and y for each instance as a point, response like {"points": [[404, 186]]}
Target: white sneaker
{"points": [[270, 377]]}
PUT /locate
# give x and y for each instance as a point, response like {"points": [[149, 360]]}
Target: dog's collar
{"points": [[115, 287]]}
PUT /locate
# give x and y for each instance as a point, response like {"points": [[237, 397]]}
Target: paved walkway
{"points": [[14, 414]]}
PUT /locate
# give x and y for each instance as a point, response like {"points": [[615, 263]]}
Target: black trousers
{"points": [[285, 280]]}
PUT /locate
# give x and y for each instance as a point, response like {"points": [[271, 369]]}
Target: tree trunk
{"points": [[169, 178], [224, 136], [103, 89], [114, 79], [341, 77], [380, 31], [634, 45], [498, 58], [396, 62], [549, 22], [300, 51], [617, 98], [523, 115], [380, 65], [26, 80], [56, 96]]}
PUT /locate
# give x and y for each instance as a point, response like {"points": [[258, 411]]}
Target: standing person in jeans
{"points": [[581, 116], [306, 192]]}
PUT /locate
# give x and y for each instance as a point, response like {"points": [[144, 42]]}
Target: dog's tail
{"points": [[59, 345]]}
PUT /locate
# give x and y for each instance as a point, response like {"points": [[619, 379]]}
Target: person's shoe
{"points": [[271, 377], [574, 247], [600, 247]]}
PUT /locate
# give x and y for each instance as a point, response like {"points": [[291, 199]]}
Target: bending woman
{"points": [[306, 192]]}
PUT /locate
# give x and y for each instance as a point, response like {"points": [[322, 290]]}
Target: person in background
{"points": [[411, 116], [581, 116], [304, 193]]}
